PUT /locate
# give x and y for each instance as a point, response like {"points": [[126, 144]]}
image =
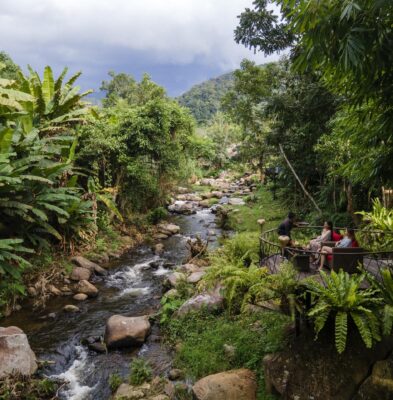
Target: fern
{"points": [[341, 296]]}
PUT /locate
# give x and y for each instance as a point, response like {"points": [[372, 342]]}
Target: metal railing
{"points": [[272, 252]]}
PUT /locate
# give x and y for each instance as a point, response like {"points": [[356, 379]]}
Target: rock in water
{"points": [[123, 331], [84, 263], [16, 355], [70, 308], [79, 274], [169, 229], [240, 384], [86, 287], [80, 297]]}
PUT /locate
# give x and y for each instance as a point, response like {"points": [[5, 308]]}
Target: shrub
{"points": [[140, 372], [115, 380], [158, 214]]}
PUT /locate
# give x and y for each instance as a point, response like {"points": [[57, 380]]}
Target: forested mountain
{"points": [[204, 99]]}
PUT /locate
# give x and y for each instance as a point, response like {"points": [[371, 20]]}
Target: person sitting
{"points": [[284, 229], [349, 240], [325, 236]]}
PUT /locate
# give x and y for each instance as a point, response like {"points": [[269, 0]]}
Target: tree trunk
{"points": [[299, 181]]}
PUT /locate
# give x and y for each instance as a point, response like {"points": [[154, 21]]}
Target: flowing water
{"points": [[132, 288]]}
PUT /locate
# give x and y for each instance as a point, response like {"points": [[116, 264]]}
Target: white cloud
{"points": [[183, 32]]}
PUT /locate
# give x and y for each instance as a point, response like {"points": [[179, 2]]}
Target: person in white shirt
{"points": [[349, 240]]}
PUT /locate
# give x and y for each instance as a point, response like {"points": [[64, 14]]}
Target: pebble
{"points": [[70, 308]]}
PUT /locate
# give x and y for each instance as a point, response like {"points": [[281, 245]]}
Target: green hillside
{"points": [[204, 99]]}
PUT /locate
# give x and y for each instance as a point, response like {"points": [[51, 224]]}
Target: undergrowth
{"points": [[203, 336], [263, 206]]}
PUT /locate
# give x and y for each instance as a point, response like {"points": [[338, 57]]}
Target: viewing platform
{"points": [[351, 260]]}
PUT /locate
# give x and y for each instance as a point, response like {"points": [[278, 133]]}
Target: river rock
{"points": [[54, 290], [379, 385], [79, 274], [70, 308], [32, 291], [169, 229], [182, 190], [86, 287], [121, 331], [236, 201], [80, 297], [158, 249], [16, 355], [189, 268], [240, 384], [100, 271], [210, 301], [175, 374], [160, 236], [183, 207], [128, 392], [206, 195], [195, 277], [159, 397], [175, 277], [98, 347], [189, 197], [314, 367], [84, 263], [217, 194], [173, 293], [204, 203]]}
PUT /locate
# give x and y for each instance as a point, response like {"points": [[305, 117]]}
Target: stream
{"points": [[132, 288]]}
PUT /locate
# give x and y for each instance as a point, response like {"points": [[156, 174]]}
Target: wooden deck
{"points": [[371, 265]]}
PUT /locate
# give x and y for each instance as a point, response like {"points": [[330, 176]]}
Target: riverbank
{"points": [[133, 286]]}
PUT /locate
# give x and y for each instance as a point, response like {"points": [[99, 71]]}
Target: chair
{"points": [[347, 258]]}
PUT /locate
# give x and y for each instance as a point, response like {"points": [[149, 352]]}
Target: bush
{"points": [[158, 214], [140, 372], [115, 380]]}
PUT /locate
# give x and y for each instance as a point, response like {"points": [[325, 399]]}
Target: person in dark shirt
{"points": [[286, 226]]}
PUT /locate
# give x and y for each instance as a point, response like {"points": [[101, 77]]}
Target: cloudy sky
{"points": [[178, 42]]}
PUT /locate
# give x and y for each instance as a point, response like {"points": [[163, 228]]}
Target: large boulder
{"points": [[183, 207], [79, 274], [16, 355], [379, 385], [314, 369], [240, 384], [84, 263], [87, 288], [210, 301], [121, 331]]}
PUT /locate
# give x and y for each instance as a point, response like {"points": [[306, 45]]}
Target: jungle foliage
{"points": [[204, 99], [68, 170], [328, 105]]}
